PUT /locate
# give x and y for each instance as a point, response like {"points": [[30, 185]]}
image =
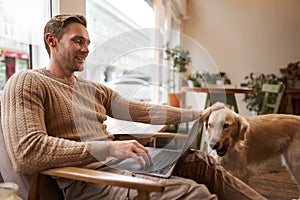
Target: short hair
{"points": [[56, 25]]}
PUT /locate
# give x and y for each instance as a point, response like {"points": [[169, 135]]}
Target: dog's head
{"points": [[224, 129]]}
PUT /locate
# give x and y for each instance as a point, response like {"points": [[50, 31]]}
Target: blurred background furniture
{"points": [[225, 94], [291, 101], [273, 94]]}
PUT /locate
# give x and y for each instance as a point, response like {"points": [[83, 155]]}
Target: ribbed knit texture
{"points": [[47, 122]]}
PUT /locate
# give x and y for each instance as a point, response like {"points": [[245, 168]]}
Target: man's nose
{"points": [[85, 48]]}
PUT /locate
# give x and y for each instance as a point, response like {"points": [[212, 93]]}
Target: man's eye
{"points": [[79, 41], [225, 125]]}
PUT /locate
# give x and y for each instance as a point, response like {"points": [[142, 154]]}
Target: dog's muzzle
{"points": [[214, 144], [221, 149]]}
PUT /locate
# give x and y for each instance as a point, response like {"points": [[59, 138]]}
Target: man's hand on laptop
{"points": [[130, 149]]}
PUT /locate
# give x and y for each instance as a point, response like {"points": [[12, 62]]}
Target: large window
{"points": [[21, 35], [117, 24], [122, 37], [128, 37]]}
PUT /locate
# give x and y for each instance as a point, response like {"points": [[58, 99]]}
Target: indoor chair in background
{"points": [[273, 94]]}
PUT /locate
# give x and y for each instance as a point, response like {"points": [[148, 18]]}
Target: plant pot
{"points": [[254, 113], [175, 99], [190, 83]]}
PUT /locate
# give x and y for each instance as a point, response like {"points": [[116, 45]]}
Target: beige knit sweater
{"points": [[48, 122]]}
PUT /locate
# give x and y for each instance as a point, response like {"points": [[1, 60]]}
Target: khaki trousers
{"points": [[194, 177]]}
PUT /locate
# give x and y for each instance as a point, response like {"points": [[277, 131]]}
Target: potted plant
{"points": [[206, 79], [179, 60], [195, 79], [291, 75], [254, 100]]}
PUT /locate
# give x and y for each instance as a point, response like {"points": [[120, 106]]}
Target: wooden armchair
{"points": [[38, 180], [41, 186], [143, 186]]}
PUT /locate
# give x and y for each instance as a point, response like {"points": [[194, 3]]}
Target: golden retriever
{"points": [[244, 143]]}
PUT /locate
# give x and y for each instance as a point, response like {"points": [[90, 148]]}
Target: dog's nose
{"points": [[214, 144]]}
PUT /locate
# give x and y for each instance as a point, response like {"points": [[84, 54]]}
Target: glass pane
{"points": [[21, 33], [122, 36]]}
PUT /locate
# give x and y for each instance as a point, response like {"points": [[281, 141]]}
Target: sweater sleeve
{"points": [[137, 111], [29, 146]]}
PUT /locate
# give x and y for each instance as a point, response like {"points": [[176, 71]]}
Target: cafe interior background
{"points": [[129, 38]]}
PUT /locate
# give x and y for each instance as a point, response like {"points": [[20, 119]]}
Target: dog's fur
{"points": [[244, 143]]}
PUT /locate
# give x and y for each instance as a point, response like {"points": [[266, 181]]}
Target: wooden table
{"points": [[220, 94], [291, 102]]}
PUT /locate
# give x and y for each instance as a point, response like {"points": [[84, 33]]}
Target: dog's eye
{"points": [[209, 125], [225, 125]]}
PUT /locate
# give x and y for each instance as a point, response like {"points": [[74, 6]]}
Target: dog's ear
{"points": [[206, 124], [243, 126]]}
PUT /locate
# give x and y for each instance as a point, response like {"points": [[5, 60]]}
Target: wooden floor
{"points": [[275, 186]]}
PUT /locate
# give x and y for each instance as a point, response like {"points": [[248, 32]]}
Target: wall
{"points": [[246, 36], [180, 6], [72, 6]]}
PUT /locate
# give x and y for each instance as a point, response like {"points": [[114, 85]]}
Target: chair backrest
{"points": [[8, 173], [49, 188], [273, 94], [1, 179]]}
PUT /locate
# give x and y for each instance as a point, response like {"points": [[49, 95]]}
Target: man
{"points": [[52, 118]]}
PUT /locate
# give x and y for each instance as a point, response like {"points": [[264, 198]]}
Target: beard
{"points": [[81, 68], [75, 67]]}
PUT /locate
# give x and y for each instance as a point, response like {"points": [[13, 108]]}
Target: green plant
{"points": [[254, 100], [211, 78], [291, 74], [196, 79], [179, 57], [179, 60], [201, 80]]}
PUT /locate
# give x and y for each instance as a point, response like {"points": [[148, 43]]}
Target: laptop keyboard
{"points": [[162, 161]]}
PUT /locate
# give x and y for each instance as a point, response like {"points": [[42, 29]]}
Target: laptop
{"points": [[164, 159]]}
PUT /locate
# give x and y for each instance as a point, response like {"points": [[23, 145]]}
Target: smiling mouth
{"points": [[80, 60], [223, 150]]}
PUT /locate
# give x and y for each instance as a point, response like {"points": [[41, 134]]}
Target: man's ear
{"points": [[50, 39], [243, 127]]}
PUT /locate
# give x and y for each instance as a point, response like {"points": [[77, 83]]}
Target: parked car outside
{"points": [[133, 88]]}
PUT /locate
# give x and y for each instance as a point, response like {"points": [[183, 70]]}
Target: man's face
{"points": [[72, 49]]}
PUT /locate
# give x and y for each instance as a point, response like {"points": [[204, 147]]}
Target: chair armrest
{"points": [[170, 135], [143, 186], [106, 178], [148, 136]]}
